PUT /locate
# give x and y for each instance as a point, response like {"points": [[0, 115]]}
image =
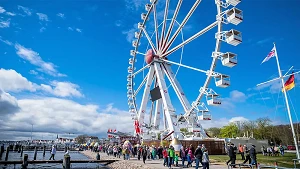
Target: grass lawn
{"points": [[285, 161]]}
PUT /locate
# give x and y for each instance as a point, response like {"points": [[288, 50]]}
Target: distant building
{"points": [[120, 137]]}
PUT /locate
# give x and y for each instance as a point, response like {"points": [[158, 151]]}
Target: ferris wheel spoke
{"points": [[172, 22], [140, 86], [190, 39], [149, 40], [140, 70], [182, 65], [156, 27], [187, 17], [164, 23]]}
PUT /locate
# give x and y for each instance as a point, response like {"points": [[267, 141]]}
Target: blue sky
{"points": [[78, 53]]}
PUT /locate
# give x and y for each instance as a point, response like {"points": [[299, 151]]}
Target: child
{"points": [[176, 160]]}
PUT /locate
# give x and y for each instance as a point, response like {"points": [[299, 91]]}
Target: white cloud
{"points": [[25, 10], [130, 33], [78, 30], [6, 41], [57, 116], [42, 29], [61, 15], [42, 17], [135, 4], [237, 96], [2, 10], [4, 24], [33, 72], [70, 29], [10, 14], [12, 81], [8, 104], [35, 59], [62, 89]]}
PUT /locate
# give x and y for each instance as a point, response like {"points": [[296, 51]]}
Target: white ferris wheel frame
{"points": [[160, 68]]}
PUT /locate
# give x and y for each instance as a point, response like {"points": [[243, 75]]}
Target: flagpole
{"points": [[287, 103]]}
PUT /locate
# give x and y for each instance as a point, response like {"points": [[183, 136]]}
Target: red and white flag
{"points": [[270, 55]]}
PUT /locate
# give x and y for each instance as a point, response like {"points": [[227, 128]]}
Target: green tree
{"points": [[214, 131], [229, 131]]}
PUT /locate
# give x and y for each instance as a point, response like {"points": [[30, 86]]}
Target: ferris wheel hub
{"points": [[150, 55]]}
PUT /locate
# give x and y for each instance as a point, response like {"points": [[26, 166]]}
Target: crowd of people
{"points": [[187, 155], [247, 154]]}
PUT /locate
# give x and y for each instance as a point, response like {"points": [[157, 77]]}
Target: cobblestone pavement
{"points": [[133, 163]]}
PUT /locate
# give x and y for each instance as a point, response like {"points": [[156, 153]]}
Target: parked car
{"points": [[291, 147]]}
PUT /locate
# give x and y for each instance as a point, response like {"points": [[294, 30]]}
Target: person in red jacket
{"points": [[165, 156]]}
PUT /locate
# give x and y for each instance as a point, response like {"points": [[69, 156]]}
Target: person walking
{"points": [[171, 154], [253, 155], [165, 156], [205, 160], [241, 150], [144, 154], [182, 155], [247, 155], [231, 154], [53, 152], [198, 156]]}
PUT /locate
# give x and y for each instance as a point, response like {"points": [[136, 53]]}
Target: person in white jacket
{"points": [[53, 152], [205, 160]]}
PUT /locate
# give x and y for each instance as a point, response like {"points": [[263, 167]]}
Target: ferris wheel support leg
{"points": [[164, 23], [167, 105], [176, 86], [187, 17], [191, 38], [145, 97], [157, 114], [172, 22]]}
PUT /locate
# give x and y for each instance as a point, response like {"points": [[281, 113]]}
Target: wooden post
{"points": [[35, 153], [1, 151], [44, 151], [67, 162], [25, 162], [6, 154], [98, 156], [22, 147]]}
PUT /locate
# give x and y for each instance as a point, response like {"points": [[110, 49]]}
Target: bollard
{"points": [[25, 161], [6, 154], [67, 162], [44, 151], [98, 156], [22, 147], [35, 153]]}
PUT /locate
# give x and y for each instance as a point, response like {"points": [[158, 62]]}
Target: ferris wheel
{"points": [[155, 52]]}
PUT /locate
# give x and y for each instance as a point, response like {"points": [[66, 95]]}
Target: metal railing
{"points": [[295, 162]]}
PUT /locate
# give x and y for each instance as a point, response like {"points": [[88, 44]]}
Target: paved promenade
{"points": [[133, 163]]}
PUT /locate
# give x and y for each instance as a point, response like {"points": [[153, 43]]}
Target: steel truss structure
{"points": [[159, 68]]}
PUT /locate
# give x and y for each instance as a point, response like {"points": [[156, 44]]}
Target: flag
{"points": [[270, 55], [290, 83]]}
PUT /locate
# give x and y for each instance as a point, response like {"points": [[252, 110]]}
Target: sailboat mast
{"points": [[287, 104]]}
